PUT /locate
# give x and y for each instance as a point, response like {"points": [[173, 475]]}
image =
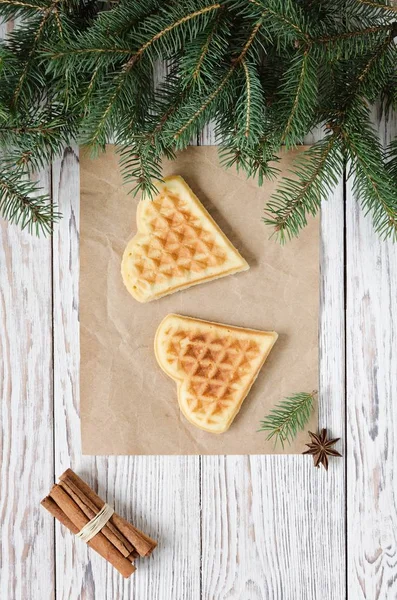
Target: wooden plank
{"points": [[159, 494], [27, 561], [26, 436], [371, 404], [273, 526]]}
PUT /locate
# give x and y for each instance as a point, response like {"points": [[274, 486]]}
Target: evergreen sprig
{"points": [[266, 72], [22, 203], [288, 417]]}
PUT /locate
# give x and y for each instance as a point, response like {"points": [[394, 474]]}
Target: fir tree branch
{"points": [[317, 171], [391, 158], [96, 137], [136, 55], [33, 140], [141, 163], [206, 103], [329, 39], [124, 16], [378, 53], [20, 129], [248, 103], [58, 22], [193, 74], [223, 81], [100, 124], [266, 71], [16, 3], [169, 28], [253, 160], [94, 50], [288, 417], [11, 9], [203, 54], [90, 86], [21, 203], [385, 7], [250, 40], [375, 189], [288, 22], [46, 15], [282, 18], [298, 96], [288, 209]]}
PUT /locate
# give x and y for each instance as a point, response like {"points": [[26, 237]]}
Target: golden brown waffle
{"points": [[178, 244], [214, 366]]}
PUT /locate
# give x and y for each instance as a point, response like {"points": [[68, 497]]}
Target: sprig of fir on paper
{"points": [[290, 416]]}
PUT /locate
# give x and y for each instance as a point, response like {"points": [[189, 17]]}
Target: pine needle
{"points": [[288, 417]]}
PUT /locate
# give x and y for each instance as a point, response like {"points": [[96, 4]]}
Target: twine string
{"points": [[96, 524]]}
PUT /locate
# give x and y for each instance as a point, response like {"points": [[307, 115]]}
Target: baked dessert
{"points": [[214, 366], [178, 245]]}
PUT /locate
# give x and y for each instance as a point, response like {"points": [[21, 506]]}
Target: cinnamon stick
{"points": [[143, 544], [90, 510], [58, 513], [53, 508], [75, 504], [99, 542]]}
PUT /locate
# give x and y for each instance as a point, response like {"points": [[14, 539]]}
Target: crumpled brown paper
{"points": [[128, 405]]}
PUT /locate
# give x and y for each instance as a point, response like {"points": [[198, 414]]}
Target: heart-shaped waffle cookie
{"points": [[213, 365], [178, 244]]}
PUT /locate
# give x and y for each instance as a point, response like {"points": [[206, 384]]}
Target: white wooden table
{"points": [[229, 528]]}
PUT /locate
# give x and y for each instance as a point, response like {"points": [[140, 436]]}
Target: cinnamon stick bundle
{"points": [[75, 504]]}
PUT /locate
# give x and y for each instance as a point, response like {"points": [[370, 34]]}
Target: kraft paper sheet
{"points": [[128, 405]]}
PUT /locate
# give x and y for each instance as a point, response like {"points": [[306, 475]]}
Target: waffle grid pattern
{"points": [[177, 246], [216, 369]]}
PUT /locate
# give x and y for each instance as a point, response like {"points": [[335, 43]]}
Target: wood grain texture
{"points": [[274, 527], [161, 495], [26, 432], [371, 403]]}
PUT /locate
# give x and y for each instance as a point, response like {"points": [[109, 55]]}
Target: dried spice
{"points": [[320, 448]]}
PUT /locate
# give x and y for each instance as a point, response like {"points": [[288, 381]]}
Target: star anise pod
{"points": [[321, 448]]}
